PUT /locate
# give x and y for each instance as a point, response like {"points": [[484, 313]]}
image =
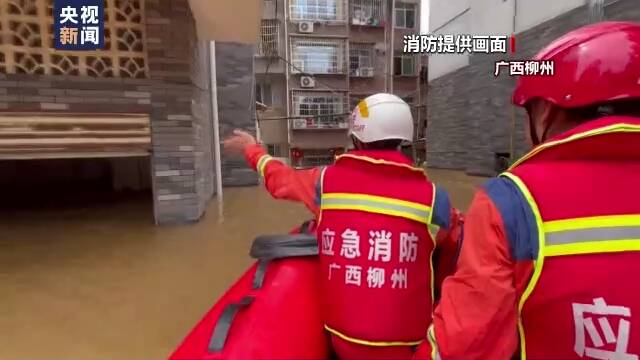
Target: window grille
{"points": [[316, 157], [27, 45], [318, 56], [318, 10], [276, 150], [405, 15], [269, 35], [404, 65], [361, 60], [367, 12], [324, 110]]}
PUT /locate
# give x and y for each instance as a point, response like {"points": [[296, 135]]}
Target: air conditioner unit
{"points": [[305, 27], [300, 124], [307, 82], [366, 72]]}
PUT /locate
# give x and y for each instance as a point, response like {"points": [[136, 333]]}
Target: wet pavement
{"points": [[100, 281]]}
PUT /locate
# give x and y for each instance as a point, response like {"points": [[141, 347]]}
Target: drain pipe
{"points": [[216, 121]]}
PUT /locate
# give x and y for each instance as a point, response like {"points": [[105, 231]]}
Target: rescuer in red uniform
{"points": [[550, 259], [378, 225]]}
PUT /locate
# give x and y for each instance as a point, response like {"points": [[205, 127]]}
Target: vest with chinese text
{"points": [[583, 301], [376, 248]]}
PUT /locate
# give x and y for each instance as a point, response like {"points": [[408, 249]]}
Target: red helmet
{"points": [[593, 64]]}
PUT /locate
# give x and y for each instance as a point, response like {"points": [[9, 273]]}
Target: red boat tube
{"points": [[271, 312]]}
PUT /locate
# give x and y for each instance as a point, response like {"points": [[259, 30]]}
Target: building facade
{"points": [[142, 104], [318, 58], [472, 124]]}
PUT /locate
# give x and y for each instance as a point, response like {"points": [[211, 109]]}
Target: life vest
{"points": [[375, 249], [583, 300]]}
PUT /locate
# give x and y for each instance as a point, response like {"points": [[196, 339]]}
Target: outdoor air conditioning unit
{"points": [[366, 72], [307, 82], [305, 27], [300, 123]]}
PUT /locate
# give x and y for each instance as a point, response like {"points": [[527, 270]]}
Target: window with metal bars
{"points": [[361, 59], [324, 110], [405, 14], [318, 10], [404, 65], [317, 157], [367, 12], [318, 56], [276, 150], [269, 34]]}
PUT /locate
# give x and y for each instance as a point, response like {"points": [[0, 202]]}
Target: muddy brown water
{"points": [[99, 281]]}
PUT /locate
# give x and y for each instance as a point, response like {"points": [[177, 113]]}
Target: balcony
{"points": [[361, 60], [328, 11], [319, 110], [367, 12], [318, 56]]}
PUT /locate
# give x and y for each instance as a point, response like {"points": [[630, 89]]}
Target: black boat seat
{"points": [[269, 247]]}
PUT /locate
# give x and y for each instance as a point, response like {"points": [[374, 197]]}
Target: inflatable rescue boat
{"points": [[271, 312]]}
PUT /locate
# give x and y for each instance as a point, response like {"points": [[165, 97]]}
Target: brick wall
{"points": [[180, 119], [470, 113], [23, 92]]}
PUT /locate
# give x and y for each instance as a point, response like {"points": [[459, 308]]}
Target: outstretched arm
{"points": [[282, 181]]}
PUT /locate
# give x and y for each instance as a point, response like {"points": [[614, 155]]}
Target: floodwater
{"points": [[99, 281]]}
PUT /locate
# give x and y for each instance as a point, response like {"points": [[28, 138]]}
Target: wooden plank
{"points": [[74, 142], [36, 120], [72, 155], [72, 133]]}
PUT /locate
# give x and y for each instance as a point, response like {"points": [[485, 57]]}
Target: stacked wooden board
{"points": [[49, 136]]}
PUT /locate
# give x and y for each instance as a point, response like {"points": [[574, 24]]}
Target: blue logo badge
{"points": [[78, 24]]}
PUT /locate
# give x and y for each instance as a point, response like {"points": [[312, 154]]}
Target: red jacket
{"points": [[376, 249], [588, 174], [284, 182]]}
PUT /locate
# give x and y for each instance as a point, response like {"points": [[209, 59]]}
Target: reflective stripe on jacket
{"points": [[376, 247], [583, 191]]}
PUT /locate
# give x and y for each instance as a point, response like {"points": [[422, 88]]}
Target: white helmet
{"points": [[381, 117]]}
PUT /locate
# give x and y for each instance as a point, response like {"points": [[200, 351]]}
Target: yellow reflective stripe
{"points": [[593, 247], [262, 162], [322, 172], [604, 130], [431, 336], [379, 162], [592, 223], [371, 343], [380, 199], [538, 263], [376, 204], [598, 234], [433, 230]]}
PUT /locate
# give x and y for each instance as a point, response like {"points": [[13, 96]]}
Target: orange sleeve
{"points": [[477, 314], [284, 182]]}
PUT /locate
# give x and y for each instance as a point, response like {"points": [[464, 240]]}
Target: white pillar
{"points": [[216, 122]]}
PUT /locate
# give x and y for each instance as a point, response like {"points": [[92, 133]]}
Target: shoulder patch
{"points": [[517, 216], [441, 211]]}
